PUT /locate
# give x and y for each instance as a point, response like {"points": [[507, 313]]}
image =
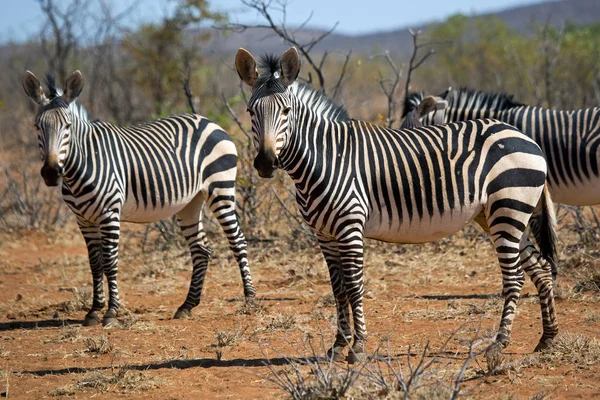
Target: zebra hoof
{"points": [[249, 292], [544, 344], [336, 354], [91, 319], [110, 322], [354, 357], [182, 313]]}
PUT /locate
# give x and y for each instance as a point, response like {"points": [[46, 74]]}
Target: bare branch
{"points": [[265, 8]]}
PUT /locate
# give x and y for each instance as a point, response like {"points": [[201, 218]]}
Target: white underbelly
{"points": [[585, 193], [420, 230], [132, 212]]}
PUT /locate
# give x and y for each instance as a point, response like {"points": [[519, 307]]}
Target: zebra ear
{"points": [[429, 104], [290, 66], [73, 86], [246, 66], [446, 92], [33, 88]]}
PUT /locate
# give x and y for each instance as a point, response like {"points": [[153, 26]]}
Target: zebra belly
{"points": [[132, 212], [577, 193], [422, 230]]}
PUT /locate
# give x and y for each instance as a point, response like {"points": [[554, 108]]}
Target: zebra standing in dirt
{"points": [[144, 173], [356, 180], [570, 140]]}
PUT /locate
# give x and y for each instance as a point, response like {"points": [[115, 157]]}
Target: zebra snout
{"points": [[266, 163], [51, 172]]}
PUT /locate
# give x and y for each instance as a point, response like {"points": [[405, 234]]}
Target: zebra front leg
{"points": [[93, 241], [352, 256], [540, 272], [222, 205], [110, 229], [344, 333], [191, 226]]}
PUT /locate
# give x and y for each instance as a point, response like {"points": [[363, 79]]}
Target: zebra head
{"points": [[430, 110], [53, 122], [270, 103]]}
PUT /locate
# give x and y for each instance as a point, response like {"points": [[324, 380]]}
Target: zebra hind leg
{"points": [[506, 233], [222, 205], [93, 241], [344, 333], [193, 231], [539, 270]]}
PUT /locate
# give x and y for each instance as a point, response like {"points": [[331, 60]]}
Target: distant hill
{"points": [[398, 41]]}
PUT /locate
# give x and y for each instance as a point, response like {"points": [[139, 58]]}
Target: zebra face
{"points": [[53, 123], [54, 136], [270, 104], [269, 116]]}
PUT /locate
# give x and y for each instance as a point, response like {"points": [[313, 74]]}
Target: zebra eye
{"points": [[250, 112], [36, 126], [286, 111], [67, 126]]}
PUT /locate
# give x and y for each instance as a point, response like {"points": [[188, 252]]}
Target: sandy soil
{"points": [[415, 295]]}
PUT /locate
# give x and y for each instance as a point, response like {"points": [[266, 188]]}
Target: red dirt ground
{"points": [[415, 294]]}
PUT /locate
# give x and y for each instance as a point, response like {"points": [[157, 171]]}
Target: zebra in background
{"points": [[570, 140], [355, 180], [429, 104], [143, 173]]}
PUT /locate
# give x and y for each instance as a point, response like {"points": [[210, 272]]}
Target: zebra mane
{"points": [[269, 82], [412, 101], [53, 90], [469, 98]]}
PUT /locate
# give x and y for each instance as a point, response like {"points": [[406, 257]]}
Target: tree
{"points": [[160, 53]]}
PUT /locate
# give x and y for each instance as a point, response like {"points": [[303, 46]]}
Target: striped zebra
{"points": [[570, 140], [354, 180], [143, 173]]}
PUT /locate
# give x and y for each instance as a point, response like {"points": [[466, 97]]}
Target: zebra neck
{"points": [[78, 146], [313, 141]]}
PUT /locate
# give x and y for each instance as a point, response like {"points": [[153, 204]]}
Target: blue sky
{"points": [[20, 19]]}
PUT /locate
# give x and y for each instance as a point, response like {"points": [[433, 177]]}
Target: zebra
{"points": [[354, 180], [144, 173], [570, 140]]}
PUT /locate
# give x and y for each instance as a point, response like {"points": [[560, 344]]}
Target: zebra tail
{"points": [[547, 233]]}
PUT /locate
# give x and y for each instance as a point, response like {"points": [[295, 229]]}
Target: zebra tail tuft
{"points": [[547, 232]]}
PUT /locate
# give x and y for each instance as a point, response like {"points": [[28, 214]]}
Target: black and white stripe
{"points": [[143, 173], [355, 180], [569, 139]]}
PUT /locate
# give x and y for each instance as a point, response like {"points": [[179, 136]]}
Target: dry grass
{"points": [[98, 345], [577, 349], [124, 380], [282, 322], [251, 306]]}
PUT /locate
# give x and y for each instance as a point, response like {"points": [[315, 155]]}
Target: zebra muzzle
{"points": [[51, 172], [266, 163]]}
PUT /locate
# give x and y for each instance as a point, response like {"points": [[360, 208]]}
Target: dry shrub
{"points": [[226, 339], [98, 345], [62, 391], [68, 333], [81, 301], [26, 203], [124, 380], [577, 349], [422, 376], [283, 322], [251, 306]]}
